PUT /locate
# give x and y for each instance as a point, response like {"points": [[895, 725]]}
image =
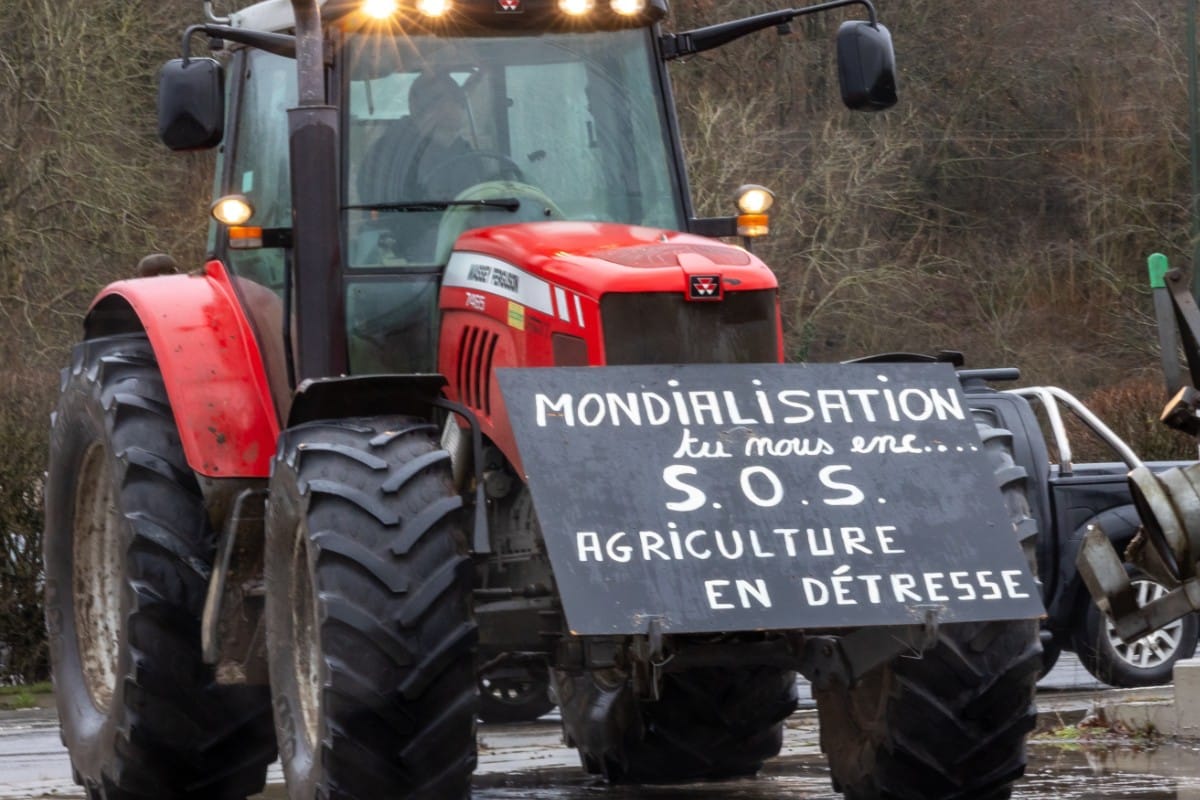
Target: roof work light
{"points": [[576, 8], [434, 8], [628, 8], [379, 9]]}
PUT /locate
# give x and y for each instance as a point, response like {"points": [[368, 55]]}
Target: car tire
{"points": [[1149, 661], [1051, 650]]}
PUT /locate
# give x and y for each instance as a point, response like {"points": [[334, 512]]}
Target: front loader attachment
{"points": [[1168, 502]]}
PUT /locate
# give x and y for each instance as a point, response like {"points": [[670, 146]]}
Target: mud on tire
{"points": [[709, 723], [371, 637], [952, 724], [128, 550]]}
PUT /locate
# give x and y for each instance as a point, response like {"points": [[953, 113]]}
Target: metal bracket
{"points": [[828, 661], [212, 16], [481, 538], [1104, 574], [648, 660], [248, 510], [1187, 320], [1168, 503]]}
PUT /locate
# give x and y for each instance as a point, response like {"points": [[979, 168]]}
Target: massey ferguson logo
{"points": [[508, 6], [704, 287]]}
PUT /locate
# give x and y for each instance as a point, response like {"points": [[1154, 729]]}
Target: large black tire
{"points": [[708, 723], [952, 724], [370, 630], [1051, 650], [514, 694], [128, 550], [1148, 661]]}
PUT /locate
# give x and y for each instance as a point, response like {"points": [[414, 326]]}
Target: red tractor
{"points": [[300, 503]]}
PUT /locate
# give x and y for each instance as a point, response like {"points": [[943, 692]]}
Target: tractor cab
{"points": [[443, 134], [448, 123], [444, 117]]}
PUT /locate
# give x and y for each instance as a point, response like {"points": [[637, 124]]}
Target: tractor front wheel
{"points": [[952, 724], [370, 630]]}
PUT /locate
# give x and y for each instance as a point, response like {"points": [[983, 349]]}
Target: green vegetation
{"points": [[14, 698], [85, 191], [1096, 728]]}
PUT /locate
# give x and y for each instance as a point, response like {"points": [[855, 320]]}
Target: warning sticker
{"points": [[516, 315]]}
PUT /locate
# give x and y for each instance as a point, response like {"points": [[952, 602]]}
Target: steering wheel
{"points": [[534, 206], [508, 167]]}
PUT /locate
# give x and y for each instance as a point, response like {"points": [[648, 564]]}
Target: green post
{"points": [[1164, 313], [1158, 266]]}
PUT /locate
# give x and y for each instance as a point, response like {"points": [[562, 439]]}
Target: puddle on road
{"points": [[1096, 772], [1058, 771]]}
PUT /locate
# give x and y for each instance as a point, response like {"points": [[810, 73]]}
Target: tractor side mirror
{"points": [[191, 103], [866, 66]]}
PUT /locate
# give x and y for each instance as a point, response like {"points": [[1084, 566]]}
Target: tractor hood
{"points": [[597, 258]]}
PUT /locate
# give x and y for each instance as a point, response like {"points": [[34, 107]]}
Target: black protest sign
{"points": [[740, 497]]}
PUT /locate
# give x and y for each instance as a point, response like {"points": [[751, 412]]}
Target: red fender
{"points": [[211, 365]]}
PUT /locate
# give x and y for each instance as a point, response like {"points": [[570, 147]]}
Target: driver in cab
{"points": [[431, 163], [431, 159], [426, 162]]}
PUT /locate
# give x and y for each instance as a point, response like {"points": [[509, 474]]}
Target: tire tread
{"points": [[173, 731]]}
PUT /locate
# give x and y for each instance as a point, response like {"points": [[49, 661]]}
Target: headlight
{"points": [[232, 209]]}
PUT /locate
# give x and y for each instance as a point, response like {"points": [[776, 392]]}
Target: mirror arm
{"points": [[212, 15], [678, 45], [277, 43]]}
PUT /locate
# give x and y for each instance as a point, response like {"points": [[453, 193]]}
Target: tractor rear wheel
{"points": [[708, 723], [370, 631], [952, 724], [128, 551]]}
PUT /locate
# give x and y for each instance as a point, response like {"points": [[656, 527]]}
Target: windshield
{"points": [[446, 134]]}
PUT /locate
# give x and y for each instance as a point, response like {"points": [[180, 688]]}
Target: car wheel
{"points": [[1148, 661]]}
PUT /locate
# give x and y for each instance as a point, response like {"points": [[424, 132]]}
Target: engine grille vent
{"points": [[475, 368]]}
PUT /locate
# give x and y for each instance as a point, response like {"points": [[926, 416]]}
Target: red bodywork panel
{"points": [[509, 290], [211, 367]]}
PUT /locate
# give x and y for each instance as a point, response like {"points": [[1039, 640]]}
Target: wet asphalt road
{"points": [[1060, 772], [529, 761]]}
